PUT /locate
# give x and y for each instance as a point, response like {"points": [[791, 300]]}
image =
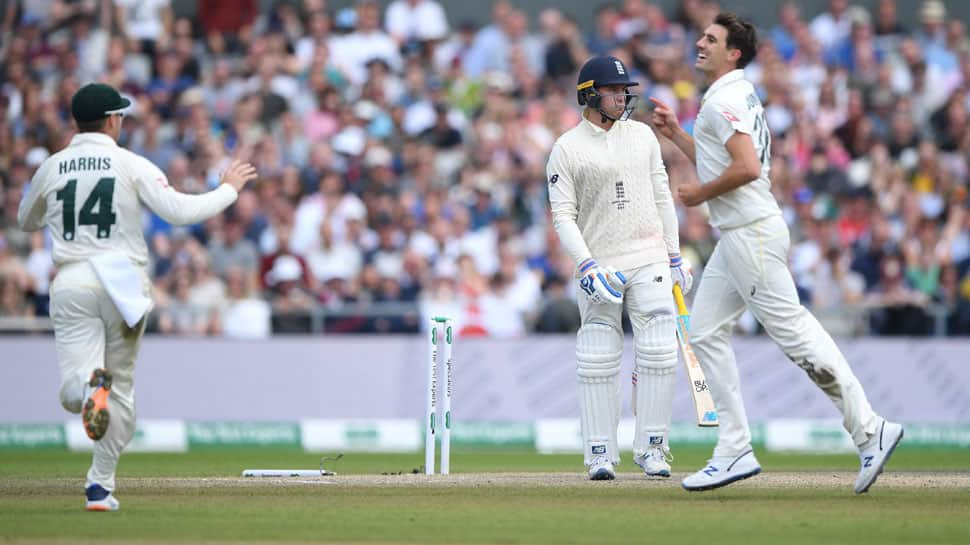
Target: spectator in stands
{"points": [[415, 22], [900, 310], [13, 300], [833, 26], [226, 23], [40, 269], [280, 241], [366, 42], [566, 51], [602, 38], [291, 301], [12, 266], [364, 121], [179, 315], [231, 249], [147, 23], [243, 315]]}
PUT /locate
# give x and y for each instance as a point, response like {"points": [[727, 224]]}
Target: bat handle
{"points": [[679, 300]]}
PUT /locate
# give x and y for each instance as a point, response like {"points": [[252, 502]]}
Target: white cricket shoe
{"points": [[655, 461], [876, 452], [99, 499], [601, 469], [723, 470]]}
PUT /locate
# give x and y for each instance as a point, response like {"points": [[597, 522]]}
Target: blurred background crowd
{"points": [[401, 155]]}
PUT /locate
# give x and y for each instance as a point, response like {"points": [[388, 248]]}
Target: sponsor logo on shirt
{"points": [[730, 117]]}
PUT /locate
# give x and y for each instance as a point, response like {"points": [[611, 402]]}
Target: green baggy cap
{"points": [[95, 101]]}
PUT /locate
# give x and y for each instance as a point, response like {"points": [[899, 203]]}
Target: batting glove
{"points": [[602, 285], [680, 272]]}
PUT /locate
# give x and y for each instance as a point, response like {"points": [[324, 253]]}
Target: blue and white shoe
{"points": [[100, 499], [876, 452], [601, 469], [655, 461], [723, 470]]}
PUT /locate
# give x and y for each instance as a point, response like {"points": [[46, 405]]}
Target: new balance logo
{"points": [[619, 68], [868, 461], [656, 440], [598, 449], [710, 471]]}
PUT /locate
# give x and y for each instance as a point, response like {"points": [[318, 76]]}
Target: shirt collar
{"points": [[93, 138], [596, 129], [726, 79]]}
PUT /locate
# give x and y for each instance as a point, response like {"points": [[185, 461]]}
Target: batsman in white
{"points": [[89, 196], [613, 211], [731, 147]]}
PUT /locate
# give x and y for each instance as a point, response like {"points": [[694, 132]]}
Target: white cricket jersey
{"points": [[610, 196], [89, 195], [731, 104]]}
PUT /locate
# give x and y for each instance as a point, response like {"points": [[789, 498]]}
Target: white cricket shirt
{"points": [[610, 196], [730, 105], [89, 195]]}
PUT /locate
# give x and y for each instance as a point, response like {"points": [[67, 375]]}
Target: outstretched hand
{"points": [[663, 118], [238, 174]]}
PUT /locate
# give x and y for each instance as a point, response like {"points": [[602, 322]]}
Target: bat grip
{"points": [[679, 300]]}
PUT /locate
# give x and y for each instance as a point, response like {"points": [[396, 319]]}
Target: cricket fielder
{"points": [[89, 195], [731, 147], [613, 211]]}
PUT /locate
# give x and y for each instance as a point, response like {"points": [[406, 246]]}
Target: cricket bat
{"points": [[703, 404]]}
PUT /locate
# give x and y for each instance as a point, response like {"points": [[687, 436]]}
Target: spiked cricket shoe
{"points": [[94, 412], [876, 452], [723, 470]]}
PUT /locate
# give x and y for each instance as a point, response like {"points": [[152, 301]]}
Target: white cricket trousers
{"points": [[649, 303], [749, 269], [89, 333]]}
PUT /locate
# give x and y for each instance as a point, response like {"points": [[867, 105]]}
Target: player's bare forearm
{"points": [[745, 167], [736, 175], [665, 122], [685, 142]]}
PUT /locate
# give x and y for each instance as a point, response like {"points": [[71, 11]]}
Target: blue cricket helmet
{"points": [[600, 71]]}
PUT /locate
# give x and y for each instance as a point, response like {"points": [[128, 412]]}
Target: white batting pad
{"points": [[656, 362], [599, 348]]}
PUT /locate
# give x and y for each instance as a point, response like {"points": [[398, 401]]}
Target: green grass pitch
{"points": [[492, 497]]}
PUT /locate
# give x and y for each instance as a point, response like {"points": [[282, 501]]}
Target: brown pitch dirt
{"points": [[767, 480]]}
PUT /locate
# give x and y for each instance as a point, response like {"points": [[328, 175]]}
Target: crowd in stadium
{"points": [[401, 155]]}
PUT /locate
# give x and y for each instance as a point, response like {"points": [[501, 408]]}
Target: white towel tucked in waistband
{"points": [[123, 282]]}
